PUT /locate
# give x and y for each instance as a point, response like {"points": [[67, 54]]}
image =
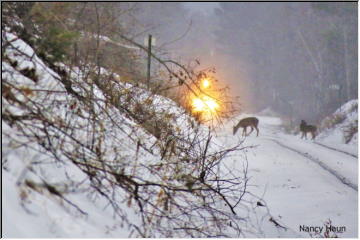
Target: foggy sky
{"points": [[282, 55], [204, 7]]}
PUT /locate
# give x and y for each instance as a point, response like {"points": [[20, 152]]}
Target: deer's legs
{"points": [[252, 129], [244, 131], [313, 135], [257, 131]]}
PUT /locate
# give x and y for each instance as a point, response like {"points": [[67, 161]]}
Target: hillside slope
{"points": [[340, 128], [101, 158]]}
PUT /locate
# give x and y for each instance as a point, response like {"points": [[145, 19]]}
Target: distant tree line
{"points": [[300, 58]]}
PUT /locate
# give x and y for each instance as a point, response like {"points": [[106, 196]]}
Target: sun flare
{"points": [[205, 100], [204, 104], [205, 83]]}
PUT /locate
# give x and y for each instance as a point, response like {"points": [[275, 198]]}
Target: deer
{"points": [[305, 128], [247, 122]]}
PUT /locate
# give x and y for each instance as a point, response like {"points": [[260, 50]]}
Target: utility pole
{"points": [[149, 61]]}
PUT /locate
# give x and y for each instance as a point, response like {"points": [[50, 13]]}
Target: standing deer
{"points": [[244, 123], [304, 129]]}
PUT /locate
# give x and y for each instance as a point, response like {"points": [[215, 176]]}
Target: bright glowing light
{"points": [[198, 105], [204, 104], [205, 83], [205, 101]]}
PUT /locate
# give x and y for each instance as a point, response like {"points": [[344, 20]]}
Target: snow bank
{"points": [[34, 209], [335, 128]]}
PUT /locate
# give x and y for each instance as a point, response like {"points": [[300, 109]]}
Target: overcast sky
{"points": [[205, 7]]}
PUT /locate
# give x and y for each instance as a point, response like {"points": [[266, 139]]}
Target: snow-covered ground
{"points": [[303, 183], [297, 190]]}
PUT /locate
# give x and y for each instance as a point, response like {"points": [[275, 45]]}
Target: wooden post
{"points": [[149, 61]]}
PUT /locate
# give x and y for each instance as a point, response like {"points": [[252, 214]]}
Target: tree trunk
{"points": [[346, 64]]}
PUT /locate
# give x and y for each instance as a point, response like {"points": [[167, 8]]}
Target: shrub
{"points": [[350, 131], [332, 120], [54, 36]]}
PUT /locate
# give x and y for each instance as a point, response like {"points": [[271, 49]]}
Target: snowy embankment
{"points": [[303, 183], [31, 209], [335, 129], [52, 186]]}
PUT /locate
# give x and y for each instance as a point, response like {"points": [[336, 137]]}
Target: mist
{"points": [[297, 59]]}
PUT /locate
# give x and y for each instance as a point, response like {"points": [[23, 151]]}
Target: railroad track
{"points": [[337, 150], [341, 178]]}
